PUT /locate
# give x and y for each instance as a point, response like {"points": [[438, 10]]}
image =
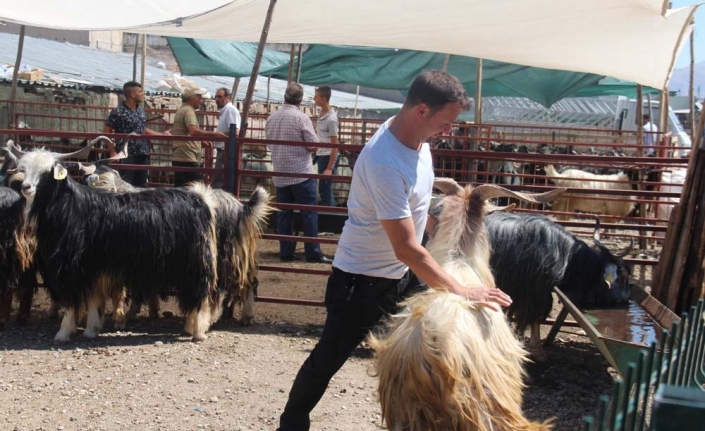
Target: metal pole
{"points": [[292, 55], [298, 63], [15, 72], [445, 62], [144, 60], [255, 68], [478, 93]]}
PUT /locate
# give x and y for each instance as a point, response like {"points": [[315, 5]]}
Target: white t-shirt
{"points": [[390, 182], [228, 115], [650, 130], [326, 128]]}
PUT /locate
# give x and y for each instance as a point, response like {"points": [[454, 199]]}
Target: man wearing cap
{"points": [[188, 153]]}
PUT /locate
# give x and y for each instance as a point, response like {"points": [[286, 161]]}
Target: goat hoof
{"points": [[90, 333], [198, 338], [62, 337], [247, 321], [539, 356]]}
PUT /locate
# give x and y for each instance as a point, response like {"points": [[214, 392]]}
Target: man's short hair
{"points": [[324, 92], [294, 94], [225, 91], [436, 89], [646, 117], [129, 87]]}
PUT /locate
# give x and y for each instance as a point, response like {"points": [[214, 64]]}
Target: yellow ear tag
{"points": [[60, 172]]}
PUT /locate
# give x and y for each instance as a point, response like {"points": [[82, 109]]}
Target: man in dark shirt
{"points": [[130, 118]]}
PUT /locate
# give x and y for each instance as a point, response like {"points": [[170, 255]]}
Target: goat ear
{"points": [[60, 172], [447, 186], [489, 209]]}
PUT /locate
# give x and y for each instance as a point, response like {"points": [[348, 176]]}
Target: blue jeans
{"points": [[303, 194], [325, 187]]}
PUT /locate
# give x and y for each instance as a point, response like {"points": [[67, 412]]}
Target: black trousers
{"points": [[183, 178], [355, 304], [136, 178]]}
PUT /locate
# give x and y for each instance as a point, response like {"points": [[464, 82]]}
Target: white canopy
{"points": [[635, 40]]}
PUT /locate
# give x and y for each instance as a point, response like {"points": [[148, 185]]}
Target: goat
{"points": [[238, 228], [531, 254], [580, 179], [93, 243], [445, 363]]}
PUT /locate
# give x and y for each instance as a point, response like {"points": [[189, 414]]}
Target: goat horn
{"points": [[489, 191], [15, 150], [87, 169], [83, 152], [447, 186], [8, 150], [627, 250], [596, 233], [119, 156]]}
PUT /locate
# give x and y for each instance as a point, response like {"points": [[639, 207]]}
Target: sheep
{"points": [[92, 243], [580, 179], [444, 362]]}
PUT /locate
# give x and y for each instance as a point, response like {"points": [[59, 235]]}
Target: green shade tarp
{"points": [[385, 68]]}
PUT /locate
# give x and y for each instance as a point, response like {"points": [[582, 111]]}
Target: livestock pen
{"points": [[468, 160]]}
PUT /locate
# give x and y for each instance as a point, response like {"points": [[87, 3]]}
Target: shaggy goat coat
{"points": [[445, 363], [576, 178], [238, 229], [93, 242]]}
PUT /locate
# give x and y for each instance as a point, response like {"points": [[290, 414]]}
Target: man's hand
{"points": [[486, 296], [328, 172]]}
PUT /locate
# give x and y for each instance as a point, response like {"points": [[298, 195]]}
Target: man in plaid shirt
{"points": [[290, 124]]}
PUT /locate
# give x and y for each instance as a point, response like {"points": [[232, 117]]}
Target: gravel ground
{"points": [[154, 378]]}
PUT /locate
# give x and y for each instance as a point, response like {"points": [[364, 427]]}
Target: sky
{"points": [[684, 56]]}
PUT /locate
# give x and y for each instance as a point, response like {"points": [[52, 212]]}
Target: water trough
{"points": [[619, 333]]}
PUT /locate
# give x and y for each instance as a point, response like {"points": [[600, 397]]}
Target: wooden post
{"points": [[134, 57], [144, 60], [357, 96], [445, 62], [478, 93], [691, 89], [233, 92], [255, 68], [292, 56], [269, 83], [678, 277], [15, 72], [298, 63]]}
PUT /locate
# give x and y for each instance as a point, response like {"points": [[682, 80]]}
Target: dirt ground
{"points": [[151, 377]]}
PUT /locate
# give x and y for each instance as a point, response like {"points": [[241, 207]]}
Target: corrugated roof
{"points": [[80, 66]]}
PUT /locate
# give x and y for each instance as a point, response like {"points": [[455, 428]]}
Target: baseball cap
{"points": [[192, 91]]}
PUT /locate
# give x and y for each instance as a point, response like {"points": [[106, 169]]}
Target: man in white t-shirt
{"points": [[228, 115], [327, 131], [650, 135], [379, 255]]}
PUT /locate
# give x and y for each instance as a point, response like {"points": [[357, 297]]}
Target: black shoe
{"points": [[321, 259], [294, 258]]}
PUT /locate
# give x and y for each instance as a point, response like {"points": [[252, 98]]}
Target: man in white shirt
{"points": [[228, 115], [327, 131], [380, 260], [650, 136]]}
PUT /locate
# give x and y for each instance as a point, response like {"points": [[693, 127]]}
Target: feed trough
{"points": [[619, 333]]}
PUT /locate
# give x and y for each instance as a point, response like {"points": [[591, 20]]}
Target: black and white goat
{"points": [[531, 254], [238, 229], [93, 243]]}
